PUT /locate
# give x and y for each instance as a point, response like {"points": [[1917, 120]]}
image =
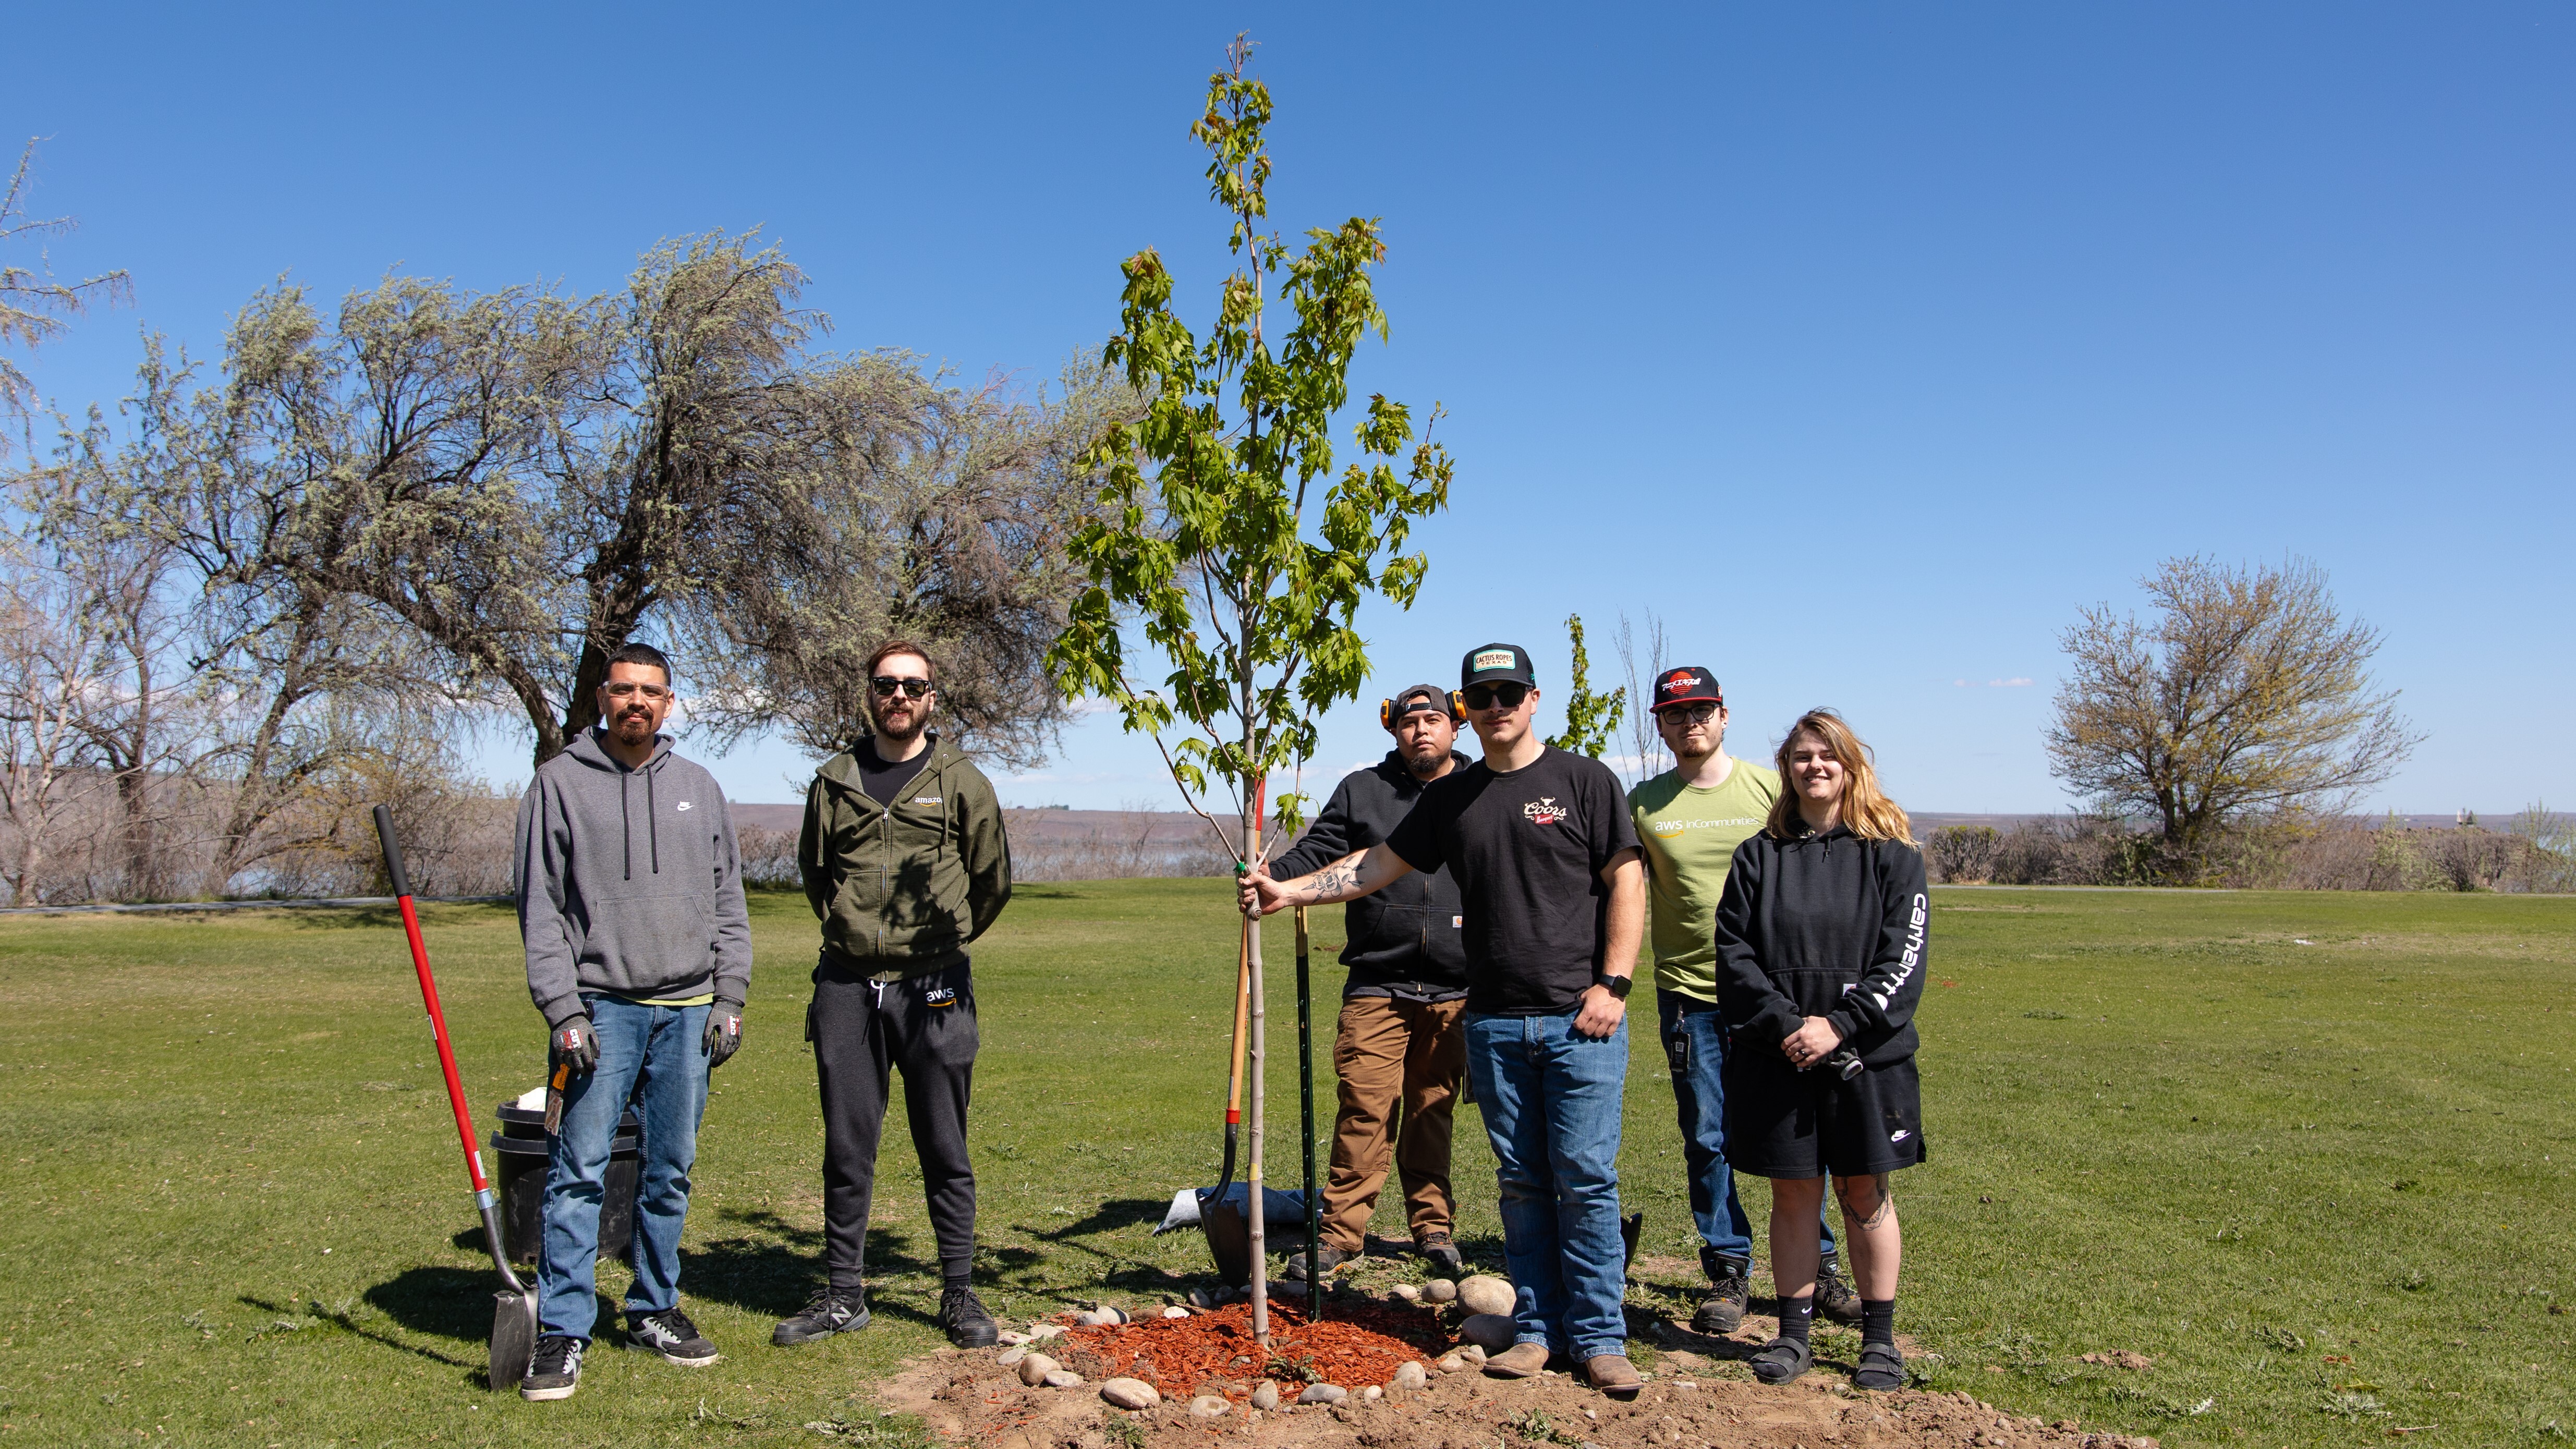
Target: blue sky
{"points": [[1864, 343]]}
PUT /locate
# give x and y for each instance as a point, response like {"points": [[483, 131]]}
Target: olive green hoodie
{"points": [[904, 885]]}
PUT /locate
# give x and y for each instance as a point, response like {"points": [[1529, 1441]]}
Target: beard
{"points": [[1425, 764], [631, 729], [906, 730]]}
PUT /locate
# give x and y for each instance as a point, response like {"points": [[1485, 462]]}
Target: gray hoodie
{"points": [[628, 882]]}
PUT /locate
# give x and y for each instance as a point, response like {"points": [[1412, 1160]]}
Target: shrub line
{"points": [[244, 905]]}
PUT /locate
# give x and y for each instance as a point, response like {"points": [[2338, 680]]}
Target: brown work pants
{"points": [[1393, 1056]]}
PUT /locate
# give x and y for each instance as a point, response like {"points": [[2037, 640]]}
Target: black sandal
{"points": [[1783, 1359], [1881, 1367]]}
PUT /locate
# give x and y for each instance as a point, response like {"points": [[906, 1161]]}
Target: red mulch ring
{"points": [[1214, 1351]]}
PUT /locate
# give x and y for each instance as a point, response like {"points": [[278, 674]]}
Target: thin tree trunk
{"points": [[1260, 1244]]}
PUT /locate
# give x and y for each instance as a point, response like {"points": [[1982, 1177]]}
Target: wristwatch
{"points": [[1615, 985]]}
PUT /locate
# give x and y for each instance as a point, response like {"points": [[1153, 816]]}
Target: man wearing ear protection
{"points": [[1398, 1049]]}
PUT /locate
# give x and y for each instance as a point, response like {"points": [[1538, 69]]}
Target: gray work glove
{"points": [[576, 1043], [724, 1034]]}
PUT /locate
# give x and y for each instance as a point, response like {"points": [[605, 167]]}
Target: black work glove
{"points": [[577, 1043], [724, 1034]]}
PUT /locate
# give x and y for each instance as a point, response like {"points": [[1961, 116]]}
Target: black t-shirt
{"points": [[1526, 849], [881, 780]]}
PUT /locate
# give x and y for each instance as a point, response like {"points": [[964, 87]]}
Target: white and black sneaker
{"points": [[670, 1334], [554, 1371]]}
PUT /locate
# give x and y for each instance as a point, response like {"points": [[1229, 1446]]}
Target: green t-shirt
{"points": [[1689, 836]]}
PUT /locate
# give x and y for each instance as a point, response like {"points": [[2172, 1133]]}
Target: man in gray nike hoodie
{"points": [[639, 954]]}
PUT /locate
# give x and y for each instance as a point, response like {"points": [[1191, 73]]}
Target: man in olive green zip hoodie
{"points": [[905, 862]]}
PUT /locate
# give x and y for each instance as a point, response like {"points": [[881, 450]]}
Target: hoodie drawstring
{"points": [[652, 822], [626, 826]]}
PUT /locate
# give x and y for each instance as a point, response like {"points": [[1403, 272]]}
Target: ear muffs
{"points": [[1457, 711]]}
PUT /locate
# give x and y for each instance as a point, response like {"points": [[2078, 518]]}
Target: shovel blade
{"points": [[514, 1337]]}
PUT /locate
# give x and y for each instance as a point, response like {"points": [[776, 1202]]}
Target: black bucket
{"points": [[520, 1150], [1229, 1240]]}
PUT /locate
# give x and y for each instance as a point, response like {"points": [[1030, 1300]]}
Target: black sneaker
{"points": [[1834, 1297], [554, 1371], [1443, 1252], [1729, 1285], [1327, 1260], [962, 1317], [670, 1334], [829, 1311]]}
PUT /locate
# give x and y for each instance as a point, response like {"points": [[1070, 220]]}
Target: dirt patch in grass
{"points": [[969, 1398], [1214, 1352]]}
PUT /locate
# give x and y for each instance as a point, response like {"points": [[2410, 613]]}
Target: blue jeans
{"points": [[658, 1048], [1551, 1102], [1695, 1047]]}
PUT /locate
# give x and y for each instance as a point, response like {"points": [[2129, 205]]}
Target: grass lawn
{"points": [[2315, 1182]]}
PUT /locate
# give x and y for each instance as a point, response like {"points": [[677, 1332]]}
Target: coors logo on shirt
{"points": [[1544, 810]]}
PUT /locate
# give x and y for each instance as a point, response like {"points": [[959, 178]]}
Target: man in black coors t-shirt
{"points": [[1545, 855]]}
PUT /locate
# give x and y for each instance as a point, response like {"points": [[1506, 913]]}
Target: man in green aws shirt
{"points": [[1689, 821]]}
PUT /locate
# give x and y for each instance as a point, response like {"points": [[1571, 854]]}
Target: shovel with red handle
{"points": [[514, 1308]]}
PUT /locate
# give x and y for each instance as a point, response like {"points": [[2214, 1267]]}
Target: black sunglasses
{"points": [[1485, 696], [887, 684], [1697, 712]]}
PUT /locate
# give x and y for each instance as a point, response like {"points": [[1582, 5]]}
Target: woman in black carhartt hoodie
{"points": [[1820, 950]]}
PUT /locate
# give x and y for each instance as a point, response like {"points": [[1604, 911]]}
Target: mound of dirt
{"points": [[968, 1397], [1215, 1353]]}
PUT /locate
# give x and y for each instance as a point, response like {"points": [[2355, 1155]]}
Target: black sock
{"points": [[1796, 1315], [1878, 1321], [958, 1277]]}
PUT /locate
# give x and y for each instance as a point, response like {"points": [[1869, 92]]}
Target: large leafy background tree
{"points": [[265, 592]]}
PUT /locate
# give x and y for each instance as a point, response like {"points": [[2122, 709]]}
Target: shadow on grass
{"points": [[1107, 1218], [1663, 1333], [774, 1266], [444, 1302], [377, 918]]}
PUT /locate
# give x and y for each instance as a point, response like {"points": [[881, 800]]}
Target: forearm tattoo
{"points": [[1327, 885]]}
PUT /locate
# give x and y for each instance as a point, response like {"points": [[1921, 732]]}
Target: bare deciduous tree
{"points": [[91, 515], [1652, 758], [53, 660], [2247, 692], [33, 304]]}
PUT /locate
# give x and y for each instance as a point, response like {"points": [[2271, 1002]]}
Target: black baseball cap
{"points": [[1417, 697], [1688, 684], [1495, 664]]}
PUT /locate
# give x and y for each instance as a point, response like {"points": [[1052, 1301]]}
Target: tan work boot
{"points": [[1520, 1361], [1611, 1373]]}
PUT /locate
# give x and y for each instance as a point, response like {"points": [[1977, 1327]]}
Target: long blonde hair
{"points": [[1866, 809]]}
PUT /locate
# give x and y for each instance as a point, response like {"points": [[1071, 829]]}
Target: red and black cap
{"points": [[1495, 664], [1688, 684]]}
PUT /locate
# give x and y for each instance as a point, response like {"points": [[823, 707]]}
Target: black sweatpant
{"points": [[924, 1027]]}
